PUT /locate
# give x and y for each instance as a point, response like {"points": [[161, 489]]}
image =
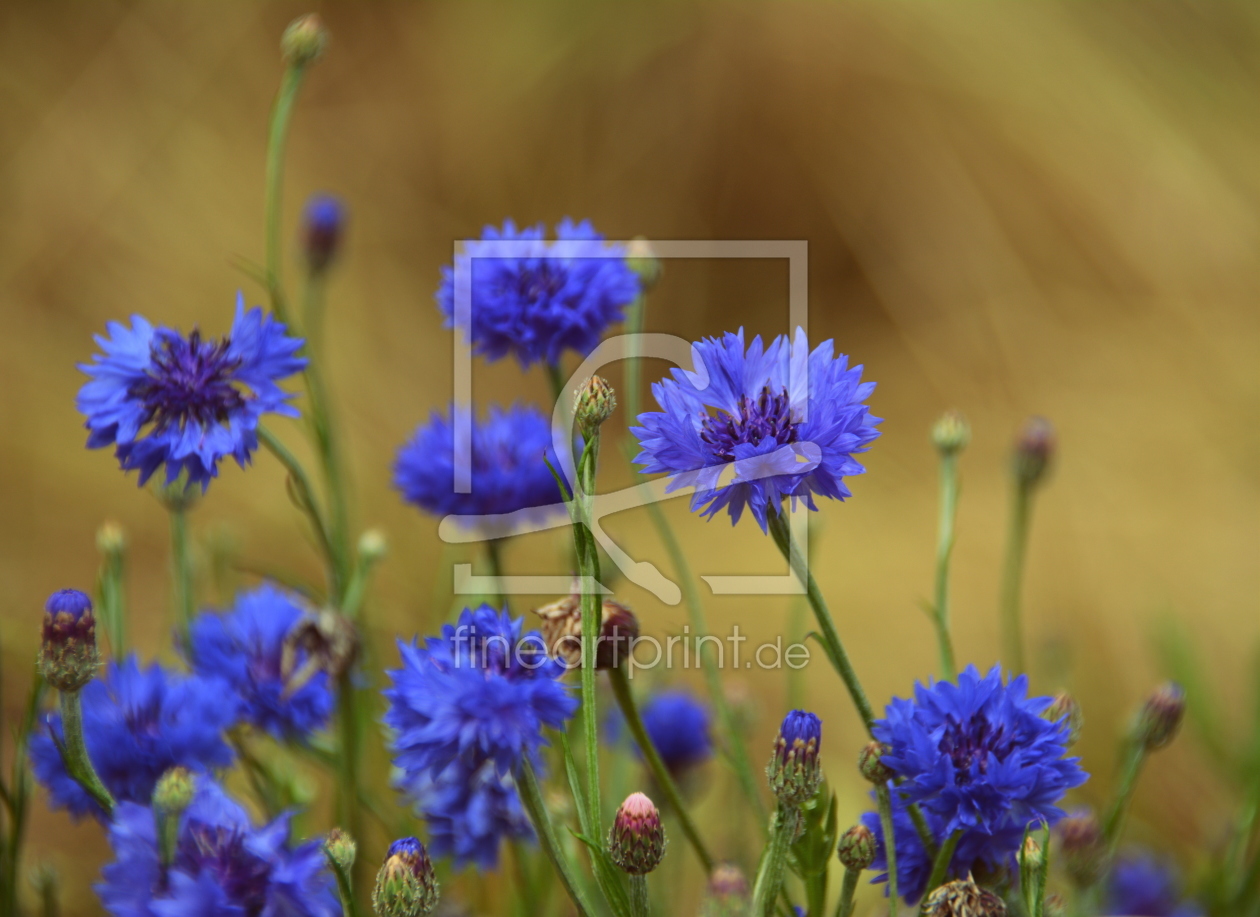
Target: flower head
{"points": [[750, 408], [68, 657], [482, 691], [245, 648], [323, 223], [405, 885], [678, 726], [161, 398], [535, 299], [977, 754], [795, 771], [507, 467], [636, 841], [857, 848], [1161, 716], [1140, 883], [138, 723], [223, 865], [469, 811]]}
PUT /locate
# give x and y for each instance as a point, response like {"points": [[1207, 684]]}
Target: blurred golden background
{"points": [[1010, 209]]}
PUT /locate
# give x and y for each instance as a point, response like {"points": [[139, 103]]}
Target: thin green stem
{"points": [[1013, 574], [78, 764], [113, 599], [940, 865], [921, 828], [660, 773], [532, 800], [18, 797], [780, 529], [844, 907], [348, 808], [555, 377], [815, 892], [944, 548], [181, 559], [786, 822], [890, 844], [1130, 768], [345, 889], [592, 617], [303, 492], [278, 133], [494, 559], [635, 318], [357, 587], [639, 897]]}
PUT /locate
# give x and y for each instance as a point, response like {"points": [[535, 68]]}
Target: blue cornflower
{"points": [[164, 399], [1140, 883], [978, 754], [535, 299], [748, 410], [678, 726], [508, 471], [137, 723], [469, 811], [323, 223], [244, 647], [223, 865], [977, 850], [482, 691]]}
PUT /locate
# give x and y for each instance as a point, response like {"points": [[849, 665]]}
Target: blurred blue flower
{"points": [[137, 723], [535, 299], [164, 399], [223, 865], [508, 472], [480, 692], [469, 811], [977, 850], [751, 408], [977, 755], [1140, 883], [678, 725], [323, 223], [244, 648]]}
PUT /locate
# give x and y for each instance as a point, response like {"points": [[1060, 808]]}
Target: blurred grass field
{"points": [[1038, 208]]}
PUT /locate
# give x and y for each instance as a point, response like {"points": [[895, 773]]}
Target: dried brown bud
{"points": [[963, 898], [562, 630]]}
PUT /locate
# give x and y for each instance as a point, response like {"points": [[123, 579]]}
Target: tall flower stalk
{"points": [[950, 436], [1034, 451]]}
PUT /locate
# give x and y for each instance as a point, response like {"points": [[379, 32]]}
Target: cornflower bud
{"points": [[1031, 856], [871, 765], [795, 770], [322, 226], [963, 898], [951, 434], [173, 792], [593, 403], [405, 886], [1083, 847], [641, 258], [637, 839], [857, 848], [68, 657], [304, 40], [1034, 451], [1066, 708], [561, 627], [1161, 716], [340, 848], [110, 538], [372, 545], [727, 893]]}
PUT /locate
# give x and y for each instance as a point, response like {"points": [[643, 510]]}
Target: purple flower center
{"points": [[769, 417], [971, 743], [190, 380], [541, 282], [221, 853]]}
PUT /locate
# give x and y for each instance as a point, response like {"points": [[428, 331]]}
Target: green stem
{"points": [[278, 133], [940, 866], [78, 764], [494, 560], [304, 493], [921, 828], [781, 531], [532, 800], [635, 318], [660, 773], [944, 547], [17, 798], [815, 892], [890, 844], [348, 809], [113, 600], [1130, 769], [844, 907], [357, 587], [1012, 576], [639, 896], [182, 560], [783, 829], [345, 890], [555, 377]]}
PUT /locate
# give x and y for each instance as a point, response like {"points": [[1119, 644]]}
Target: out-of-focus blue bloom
{"points": [[469, 811], [223, 865], [1140, 883], [164, 399], [535, 299], [482, 691], [977, 850], [678, 726], [244, 648], [978, 755], [508, 471], [137, 723], [322, 226], [750, 410]]}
